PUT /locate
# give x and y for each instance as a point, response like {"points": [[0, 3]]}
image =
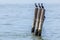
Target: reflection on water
{"points": [[16, 23]]}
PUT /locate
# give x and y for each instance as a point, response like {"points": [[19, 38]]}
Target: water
{"points": [[16, 22]]}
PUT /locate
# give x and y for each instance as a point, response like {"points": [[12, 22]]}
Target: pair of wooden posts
{"points": [[39, 16]]}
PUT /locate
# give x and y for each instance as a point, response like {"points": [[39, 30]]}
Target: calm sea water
{"points": [[16, 22]]}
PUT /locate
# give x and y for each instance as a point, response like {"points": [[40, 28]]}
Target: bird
{"points": [[36, 5], [39, 5], [42, 5]]}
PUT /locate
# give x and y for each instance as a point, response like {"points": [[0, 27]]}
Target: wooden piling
{"points": [[38, 20], [39, 16], [35, 17], [42, 17]]}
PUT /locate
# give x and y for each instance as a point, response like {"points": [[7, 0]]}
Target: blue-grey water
{"points": [[16, 22]]}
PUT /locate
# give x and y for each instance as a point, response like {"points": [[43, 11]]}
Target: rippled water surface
{"points": [[16, 22]]}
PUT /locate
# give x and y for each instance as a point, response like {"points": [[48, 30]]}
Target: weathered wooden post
{"points": [[42, 17], [39, 16], [35, 17], [38, 19]]}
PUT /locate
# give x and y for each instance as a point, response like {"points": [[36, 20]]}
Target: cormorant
{"points": [[36, 5]]}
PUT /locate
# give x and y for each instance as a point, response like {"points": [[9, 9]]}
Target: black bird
{"points": [[36, 5], [42, 5], [39, 5]]}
